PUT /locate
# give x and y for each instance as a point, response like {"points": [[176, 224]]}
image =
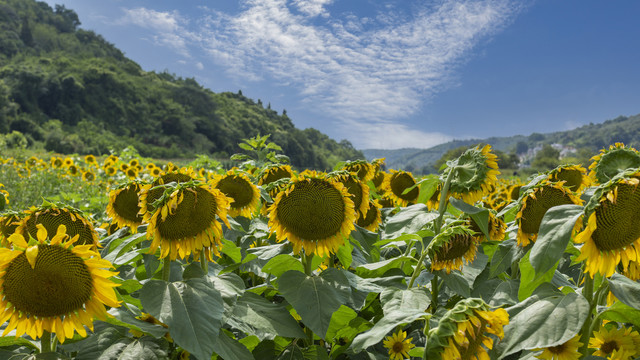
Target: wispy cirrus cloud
{"points": [[169, 28], [368, 73]]}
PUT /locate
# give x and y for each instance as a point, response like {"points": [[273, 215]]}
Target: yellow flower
{"points": [[476, 172], [124, 206], [314, 213], [398, 345], [610, 162], [51, 284], [574, 176], [237, 186], [614, 343], [361, 168], [452, 248], [91, 160], [358, 190], [397, 183], [565, 351], [373, 218], [51, 216], [88, 176]]}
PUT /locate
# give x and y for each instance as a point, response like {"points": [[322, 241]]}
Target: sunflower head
{"points": [[244, 194], [569, 350], [574, 177], [314, 212], [497, 227], [610, 162], [51, 216], [476, 171], [56, 162], [397, 183], [453, 247], [73, 170], [398, 345], [151, 193], [91, 160], [373, 218], [9, 223], [52, 283], [359, 190], [535, 202], [124, 205], [274, 172], [612, 342], [67, 162], [184, 222], [612, 233], [88, 176], [110, 171], [363, 169], [464, 331], [4, 197]]}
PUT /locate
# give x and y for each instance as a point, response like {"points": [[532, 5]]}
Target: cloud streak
{"points": [[366, 72]]}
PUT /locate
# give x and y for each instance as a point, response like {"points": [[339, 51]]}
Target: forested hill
{"points": [[73, 92]]}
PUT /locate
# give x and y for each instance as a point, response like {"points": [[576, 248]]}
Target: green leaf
{"points": [[543, 321], [378, 269], [123, 317], [529, 280], [192, 309], [625, 289], [282, 263], [230, 349], [345, 323], [554, 235], [461, 282], [409, 299], [428, 187], [621, 313], [124, 248], [292, 352], [503, 257], [344, 255], [479, 215], [112, 344], [19, 341], [256, 315], [506, 293], [408, 221], [315, 298], [383, 327], [230, 249]]}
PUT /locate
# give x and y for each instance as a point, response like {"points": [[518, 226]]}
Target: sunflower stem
{"points": [[306, 263], [166, 268], [434, 293], [45, 342], [204, 262], [587, 292]]}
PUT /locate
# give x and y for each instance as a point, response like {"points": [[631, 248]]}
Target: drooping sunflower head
{"points": [[272, 173], [574, 176], [476, 170], [569, 350], [496, 227], [9, 223], [434, 201], [359, 191], [610, 162], [612, 233], [373, 218], [612, 342], [314, 212], [397, 183], [398, 345], [535, 202], [237, 186], [51, 216], [363, 169], [151, 193], [465, 332], [124, 205], [51, 283], [453, 247], [184, 222]]}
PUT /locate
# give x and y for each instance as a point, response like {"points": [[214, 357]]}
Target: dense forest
{"points": [[68, 90]]}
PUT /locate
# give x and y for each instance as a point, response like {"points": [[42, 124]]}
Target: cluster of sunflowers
{"points": [[53, 279]]}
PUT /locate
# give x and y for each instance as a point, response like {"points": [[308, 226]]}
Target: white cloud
{"points": [[167, 26], [312, 7], [199, 66], [388, 135]]}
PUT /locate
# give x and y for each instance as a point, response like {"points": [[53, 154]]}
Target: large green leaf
{"points": [[345, 323], [544, 320], [622, 313], [409, 299], [282, 263], [503, 257], [230, 349], [315, 298], [479, 215], [383, 327], [428, 187], [506, 293], [124, 248], [461, 282], [625, 289], [378, 269], [529, 279], [192, 309], [408, 221], [111, 344], [256, 315], [122, 316], [554, 235]]}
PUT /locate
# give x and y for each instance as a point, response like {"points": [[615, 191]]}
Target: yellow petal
{"points": [[42, 233], [32, 254], [18, 240]]}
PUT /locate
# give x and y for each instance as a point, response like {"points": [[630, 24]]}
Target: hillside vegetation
{"points": [[584, 141], [69, 91]]}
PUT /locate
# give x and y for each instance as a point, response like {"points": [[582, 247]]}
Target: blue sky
{"points": [[394, 74]]}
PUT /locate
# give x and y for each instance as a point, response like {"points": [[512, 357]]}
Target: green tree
{"points": [[547, 158]]}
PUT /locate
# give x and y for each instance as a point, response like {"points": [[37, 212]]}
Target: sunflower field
{"points": [[121, 257]]}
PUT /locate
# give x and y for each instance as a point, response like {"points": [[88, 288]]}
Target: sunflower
{"points": [[56, 162], [397, 183], [90, 160], [565, 351], [361, 168], [379, 179], [454, 246], [237, 186], [134, 163], [51, 216], [4, 197], [614, 343], [463, 332], [314, 212], [132, 173], [535, 202], [497, 227], [152, 192], [609, 163], [612, 233], [184, 222], [9, 222], [124, 206], [359, 192], [398, 345], [574, 176], [476, 170], [73, 170], [51, 284], [373, 219], [274, 172], [88, 176], [67, 162]]}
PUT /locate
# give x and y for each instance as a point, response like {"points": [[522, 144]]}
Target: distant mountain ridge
{"points": [[70, 91], [592, 137]]}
